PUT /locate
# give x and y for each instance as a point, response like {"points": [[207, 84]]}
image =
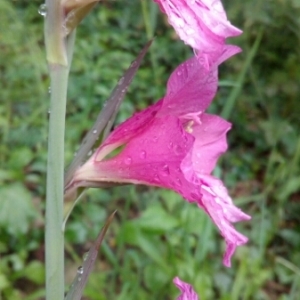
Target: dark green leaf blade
{"points": [[83, 272]]}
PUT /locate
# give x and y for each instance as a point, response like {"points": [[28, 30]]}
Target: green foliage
{"points": [[156, 235]]}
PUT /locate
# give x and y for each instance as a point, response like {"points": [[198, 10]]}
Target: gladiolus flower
{"points": [[187, 292], [174, 144], [202, 24]]}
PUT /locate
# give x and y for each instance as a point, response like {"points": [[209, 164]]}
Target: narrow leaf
{"points": [[83, 272], [109, 110]]}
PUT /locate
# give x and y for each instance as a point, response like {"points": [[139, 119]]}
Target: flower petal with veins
{"points": [[187, 291]]}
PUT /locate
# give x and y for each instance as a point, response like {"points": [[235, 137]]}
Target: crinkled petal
{"points": [[217, 203], [201, 24], [187, 291]]}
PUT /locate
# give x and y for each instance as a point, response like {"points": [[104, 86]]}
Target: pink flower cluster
{"points": [[174, 144]]}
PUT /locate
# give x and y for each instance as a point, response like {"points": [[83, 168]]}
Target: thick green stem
{"points": [[55, 184], [54, 33]]}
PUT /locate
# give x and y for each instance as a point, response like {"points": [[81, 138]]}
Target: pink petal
{"points": [[222, 211], [210, 142], [190, 89], [130, 128], [187, 291], [152, 157], [202, 24]]}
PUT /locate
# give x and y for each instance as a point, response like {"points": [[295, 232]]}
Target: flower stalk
{"points": [[59, 53], [54, 235]]}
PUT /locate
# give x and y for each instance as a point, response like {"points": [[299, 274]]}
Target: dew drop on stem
{"points": [[80, 270], [85, 256], [121, 81], [43, 10]]}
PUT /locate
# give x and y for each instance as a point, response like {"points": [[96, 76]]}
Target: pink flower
{"points": [[187, 292], [175, 145], [202, 24]]}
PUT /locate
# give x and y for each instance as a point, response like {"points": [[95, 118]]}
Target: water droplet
{"points": [[178, 181], [94, 131], [155, 139], [80, 270], [156, 178], [133, 64], [43, 10], [143, 154], [194, 196], [49, 89], [165, 170], [70, 17], [85, 256], [179, 73], [128, 160], [190, 31], [177, 149], [90, 153], [49, 111], [121, 81]]}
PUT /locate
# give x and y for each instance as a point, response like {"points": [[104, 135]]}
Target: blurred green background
{"points": [[156, 235]]}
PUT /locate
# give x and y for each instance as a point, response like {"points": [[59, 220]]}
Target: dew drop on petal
{"points": [[94, 131], [80, 270], [128, 160], [178, 181], [143, 154], [165, 170], [177, 149], [156, 178], [194, 196], [43, 10]]}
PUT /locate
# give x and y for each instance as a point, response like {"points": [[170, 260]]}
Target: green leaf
{"points": [[16, 209], [156, 219]]}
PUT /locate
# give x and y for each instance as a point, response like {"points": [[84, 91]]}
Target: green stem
{"points": [[54, 239], [59, 50]]}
